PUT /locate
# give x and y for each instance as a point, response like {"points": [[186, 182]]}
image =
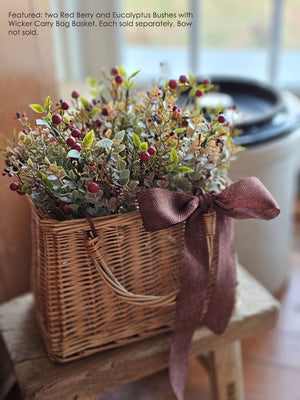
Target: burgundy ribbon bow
{"points": [[160, 209]]}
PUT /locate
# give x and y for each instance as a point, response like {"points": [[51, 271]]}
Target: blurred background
{"points": [[254, 47]]}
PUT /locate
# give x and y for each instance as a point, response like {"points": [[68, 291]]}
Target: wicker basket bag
{"points": [[95, 293]]}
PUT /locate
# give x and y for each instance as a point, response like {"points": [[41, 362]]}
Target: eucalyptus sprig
{"points": [[96, 153]]}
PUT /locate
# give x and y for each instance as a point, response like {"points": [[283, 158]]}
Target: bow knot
{"points": [[205, 201], [160, 209]]}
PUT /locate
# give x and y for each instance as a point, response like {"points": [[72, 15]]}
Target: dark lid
{"points": [[263, 113]]}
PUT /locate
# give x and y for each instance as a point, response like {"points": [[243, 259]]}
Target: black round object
{"points": [[264, 112]]}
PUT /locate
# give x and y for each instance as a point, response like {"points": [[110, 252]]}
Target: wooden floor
{"points": [[271, 360]]}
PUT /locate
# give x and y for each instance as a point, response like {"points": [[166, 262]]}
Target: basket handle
{"points": [[94, 249]]}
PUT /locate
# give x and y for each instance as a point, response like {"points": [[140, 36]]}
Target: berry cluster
{"points": [[97, 153]]}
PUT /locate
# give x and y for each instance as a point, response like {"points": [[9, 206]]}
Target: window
{"points": [[252, 38]]}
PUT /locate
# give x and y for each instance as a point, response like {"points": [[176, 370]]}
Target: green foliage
{"points": [[136, 141], [88, 140], [116, 126], [106, 143], [37, 108], [174, 156], [92, 82]]}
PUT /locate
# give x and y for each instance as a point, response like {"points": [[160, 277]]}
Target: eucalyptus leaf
{"points": [[144, 146], [106, 143], [178, 130], [120, 148], [72, 175], [122, 72], [26, 189], [88, 139], [74, 195], [192, 79], [173, 156], [120, 135], [134, 74], [73, 154], [85, 102], [92, 82], [185, 169], [121, 165], [37, 108], [124, 174], [47, 182], [42, 122], [136, 140]]}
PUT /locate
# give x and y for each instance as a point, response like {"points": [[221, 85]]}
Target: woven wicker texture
{"points": [[78, 311]]}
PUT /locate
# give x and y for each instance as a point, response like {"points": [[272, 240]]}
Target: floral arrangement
{"points": [[96, 155]]}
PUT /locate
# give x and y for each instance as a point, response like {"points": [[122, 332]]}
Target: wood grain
{"points": [[40, 378], [226, 372], [26, 76]]}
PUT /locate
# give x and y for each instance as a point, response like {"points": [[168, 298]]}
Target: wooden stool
{"points": [[41, 379]]}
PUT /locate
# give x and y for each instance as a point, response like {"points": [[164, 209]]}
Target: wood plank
{"points": [[39, 378], [226, 372], [7, 378], [157, 387]]}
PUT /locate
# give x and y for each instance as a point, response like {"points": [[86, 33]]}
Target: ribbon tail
{"points": [[189, 304], [223, 298]]}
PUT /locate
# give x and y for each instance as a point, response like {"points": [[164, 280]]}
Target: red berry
{"points": [[20, 192], [173, 84], [162, 178], [206, 82], [65, 105], [75, 94], [119, 79], [99, 122], [175, 137], [183, 79], [169, 106], [93, 187], [104, 111], [14, 186], [144, 156], [199, 93], [77, 147], [71, 141], [76, 133], [221, 119], [56, 119], [151, 150], [23, 115], [94, 167], [185, 122], [114, 71], [65, 208]]}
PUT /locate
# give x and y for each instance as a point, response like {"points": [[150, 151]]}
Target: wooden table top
{"points": [[39, 378]]}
